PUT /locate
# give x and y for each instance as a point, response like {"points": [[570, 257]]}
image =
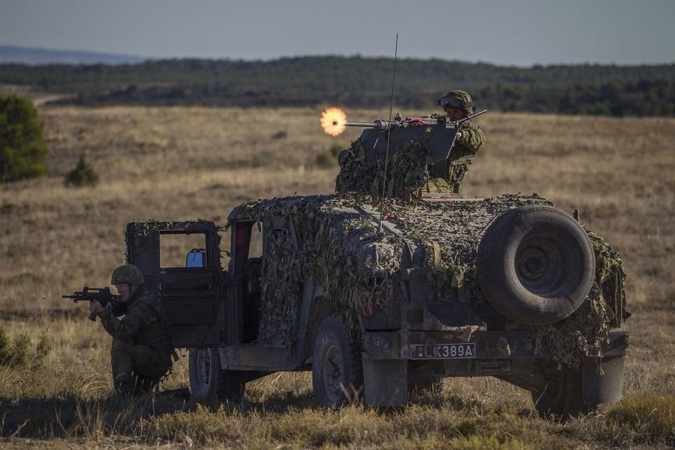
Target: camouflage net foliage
{"points": [[406, 173], [584, 331], [328, 233], [338, 243], [451, 233], [328, 236]]}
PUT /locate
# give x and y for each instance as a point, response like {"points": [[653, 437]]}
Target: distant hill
{"points": [[39, 56], [641, 90]]}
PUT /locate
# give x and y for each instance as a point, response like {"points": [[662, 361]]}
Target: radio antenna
{"points": [[391, 105]]}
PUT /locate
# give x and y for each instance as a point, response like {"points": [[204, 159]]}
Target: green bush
{"points": [[82, 175], [20, 352], [335, 149], [280, 135], [5, 347], [22, 146], [325, 160]]}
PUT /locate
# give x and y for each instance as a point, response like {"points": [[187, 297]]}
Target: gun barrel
{"points": [[378, 124], [360, 124]]}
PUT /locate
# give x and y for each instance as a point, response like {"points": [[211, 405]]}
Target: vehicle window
{"points": [[175, 248], [255, 250]]}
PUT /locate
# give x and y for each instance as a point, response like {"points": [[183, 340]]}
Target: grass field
{"points": [[187, 163]]}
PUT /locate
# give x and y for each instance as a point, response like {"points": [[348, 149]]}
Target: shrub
{"points": [[325, 160], [22, 146], [42, 349], [82, 175], [20, 351], [335, 149], [5, 347]]}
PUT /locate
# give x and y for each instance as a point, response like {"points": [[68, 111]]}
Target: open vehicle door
{"points": [[181, 263]]}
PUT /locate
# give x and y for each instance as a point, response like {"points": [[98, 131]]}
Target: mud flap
{"points": [[603, 380], [385, 381]]}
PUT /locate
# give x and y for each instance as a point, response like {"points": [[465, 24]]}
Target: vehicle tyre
{"points": [[536, 265], [204, 368], [209, 384], [337, 370], [562, 395]]}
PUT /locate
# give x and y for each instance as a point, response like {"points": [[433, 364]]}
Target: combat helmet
{"points": [[127, 274], [457, 99]]}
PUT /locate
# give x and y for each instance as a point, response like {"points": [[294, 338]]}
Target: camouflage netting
{"points": [[451, 232], [406, 173], [330, 231], [327, 235], [583, 332]]}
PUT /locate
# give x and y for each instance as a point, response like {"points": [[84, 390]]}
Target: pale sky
{"points": [[503, 32]]}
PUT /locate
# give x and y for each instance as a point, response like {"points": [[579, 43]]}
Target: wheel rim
{"points": [[541, 265], [203, 367], [333, 379]]}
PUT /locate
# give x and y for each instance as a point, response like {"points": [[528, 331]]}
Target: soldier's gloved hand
{"points": [[95, 307]]}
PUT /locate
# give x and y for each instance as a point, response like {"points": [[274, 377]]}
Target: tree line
{"points": [[645, 90]]}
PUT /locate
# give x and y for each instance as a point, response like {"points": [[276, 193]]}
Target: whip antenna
{"points": [[391, 104]]}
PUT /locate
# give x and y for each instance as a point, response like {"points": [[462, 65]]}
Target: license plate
{"points": [[458, 350]]}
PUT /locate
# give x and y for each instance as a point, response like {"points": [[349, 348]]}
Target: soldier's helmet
{"points": [[127, 274], [457, 99]]}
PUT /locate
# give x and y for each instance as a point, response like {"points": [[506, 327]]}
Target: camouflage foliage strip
{"points": [[406, 173], [328, 233]]}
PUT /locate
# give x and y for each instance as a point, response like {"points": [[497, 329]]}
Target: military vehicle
{"points": [[382, 295]]}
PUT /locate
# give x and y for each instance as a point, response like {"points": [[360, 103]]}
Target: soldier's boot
{"points": [[122, 368], [145, 385]]}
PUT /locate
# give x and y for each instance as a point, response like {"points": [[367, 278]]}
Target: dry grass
{"points": [[184, 163]]}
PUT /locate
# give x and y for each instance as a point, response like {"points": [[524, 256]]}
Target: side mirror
{"points": [[196, 258]]}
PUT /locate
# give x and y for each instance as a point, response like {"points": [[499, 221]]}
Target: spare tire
{"points": [[536, 265]]}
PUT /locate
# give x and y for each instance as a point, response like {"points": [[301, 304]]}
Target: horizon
{"points": [[522, 33], [139, 59]]}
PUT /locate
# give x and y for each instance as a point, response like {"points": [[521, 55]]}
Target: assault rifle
{"points": [[101, 295]]}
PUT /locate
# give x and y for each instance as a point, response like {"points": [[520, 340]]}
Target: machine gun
{"points": [[401, 122], [440, 134], [101, 295]]}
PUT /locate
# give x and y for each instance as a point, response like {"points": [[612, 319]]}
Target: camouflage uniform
{"points": [[447, 176], [141, 347]]}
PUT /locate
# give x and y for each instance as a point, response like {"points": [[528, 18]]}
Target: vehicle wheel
{"points": [[536, 265], [208, 383], [562, 395], [337, 371]]}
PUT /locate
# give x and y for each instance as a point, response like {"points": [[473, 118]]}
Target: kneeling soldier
{"points": [[141, 347]]}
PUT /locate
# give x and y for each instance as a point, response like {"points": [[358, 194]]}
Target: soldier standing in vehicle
{"points": [[448, 175], [141, 348]]}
